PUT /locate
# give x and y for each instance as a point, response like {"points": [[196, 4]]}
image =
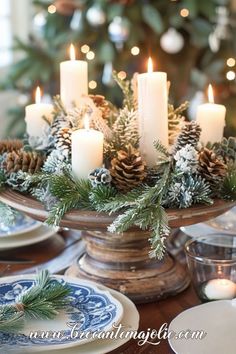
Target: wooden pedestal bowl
{"points": [[121, 261]]}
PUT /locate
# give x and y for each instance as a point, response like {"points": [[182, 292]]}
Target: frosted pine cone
{"points": [[211, 167], [25, 161], [128, 170], [8, 145], [100, 176], [63, 141], [190, 134]]}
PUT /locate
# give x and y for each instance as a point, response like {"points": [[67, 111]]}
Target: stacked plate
{"points": [[25, 231], [94, 311], [225, 223]]}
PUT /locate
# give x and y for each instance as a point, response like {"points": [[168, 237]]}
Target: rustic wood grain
{"points": [[122, 262], [90, 220]]}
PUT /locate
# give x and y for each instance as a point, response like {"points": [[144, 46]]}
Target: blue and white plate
{"points": [[90, 310], [22, 224]]}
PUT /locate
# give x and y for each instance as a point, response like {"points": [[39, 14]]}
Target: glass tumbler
{"points": [[212, 264]]}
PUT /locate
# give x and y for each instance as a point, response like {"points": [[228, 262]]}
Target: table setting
{"points": [[88, 201]]}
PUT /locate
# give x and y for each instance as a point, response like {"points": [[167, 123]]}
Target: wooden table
{"points": [[63, 250]]}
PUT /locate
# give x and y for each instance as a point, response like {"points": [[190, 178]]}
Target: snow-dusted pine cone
{"points": [[9, 145], [102, 104], [127, 169], [100, 176], [25, 161], [211, 167], [63, 140], [60, 121], [190, 134]]}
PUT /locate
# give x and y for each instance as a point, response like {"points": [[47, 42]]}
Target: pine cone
{"points": [[102, 104], [211, 167], [128, 169], [60, 122], [100, 176], [63, 141], [226, 148], [25, 161], [10, 145], [175, 121], [190, 134]]}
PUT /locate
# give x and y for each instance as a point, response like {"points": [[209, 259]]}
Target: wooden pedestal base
{"points": [[121, 262]]}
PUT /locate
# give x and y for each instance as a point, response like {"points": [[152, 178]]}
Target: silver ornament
{"points": [[172, 41], [107, 75], [39, 21], [119, 30], [76, 23], [96, 16]]}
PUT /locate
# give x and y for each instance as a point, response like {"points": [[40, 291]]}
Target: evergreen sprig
{"points": [[41, 301], [71, 194], [7, 214], [126, 87], [228, 190]]}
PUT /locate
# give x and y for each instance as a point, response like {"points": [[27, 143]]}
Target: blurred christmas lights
{"points": [[184, 12], [231, 62], [90, 55], [135, 50], [230, 75], [85, 48], [92, 84], [52, 9], [122, 75]]}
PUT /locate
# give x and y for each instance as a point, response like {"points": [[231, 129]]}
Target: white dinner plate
{"points": [[217, 319], [91, 306], [225, 222], [40, 234], [197, 230]]}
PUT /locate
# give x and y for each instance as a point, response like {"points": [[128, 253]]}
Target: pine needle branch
{"points": [[228, 190], [41, 301], [126, 88], [7, 215]]}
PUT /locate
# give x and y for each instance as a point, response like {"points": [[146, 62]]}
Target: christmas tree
{"points": [[192, 40]]}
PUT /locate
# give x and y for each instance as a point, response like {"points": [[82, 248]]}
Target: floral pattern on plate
{"points": [[90, 309]]}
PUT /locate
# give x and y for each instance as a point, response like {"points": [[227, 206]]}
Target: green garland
{"points": [[41, 301], [175, 182]]}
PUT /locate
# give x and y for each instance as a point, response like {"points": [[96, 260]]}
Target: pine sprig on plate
{"points": [[41, 301]]}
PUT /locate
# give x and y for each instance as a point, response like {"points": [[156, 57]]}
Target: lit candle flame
{"points": [[86, 122], [72, 52], [210, 94], [37, 95], [150, 65]]}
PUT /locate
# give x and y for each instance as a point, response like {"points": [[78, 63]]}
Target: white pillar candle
{"points": [[220, 289], [34, 116], [153, 112], [87, 150], [211, 118], [73, 80]]}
